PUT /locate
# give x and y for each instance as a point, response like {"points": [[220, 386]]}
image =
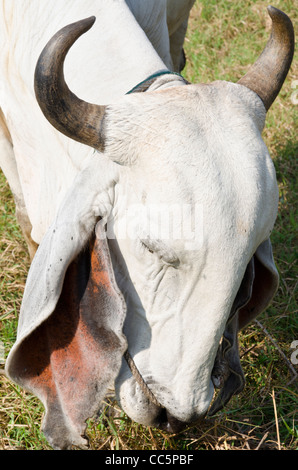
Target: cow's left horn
{"points": [[72, 116], [267, 75]]}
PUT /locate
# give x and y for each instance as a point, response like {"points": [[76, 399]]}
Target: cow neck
{"points": [[146, 84]]}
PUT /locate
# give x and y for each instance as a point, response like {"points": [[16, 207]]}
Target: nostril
{"points": [[175, 424], [168, 423], [162, 419]]}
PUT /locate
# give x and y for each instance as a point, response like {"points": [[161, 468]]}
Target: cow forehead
{"points": [[196, 149], [171, 137]]}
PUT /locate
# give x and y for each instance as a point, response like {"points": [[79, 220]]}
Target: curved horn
{"points": [[72, 116], [267, 75]]}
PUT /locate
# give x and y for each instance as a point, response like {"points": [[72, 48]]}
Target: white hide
{"points": [[46, 161]]}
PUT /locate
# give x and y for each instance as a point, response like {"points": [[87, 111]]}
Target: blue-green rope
{"points": [[155, 75]]}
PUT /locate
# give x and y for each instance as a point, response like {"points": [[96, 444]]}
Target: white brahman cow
{"points": [[119, 294]]}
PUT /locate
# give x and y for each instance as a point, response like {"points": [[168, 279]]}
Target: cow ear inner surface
{"points": [[71, 359]]}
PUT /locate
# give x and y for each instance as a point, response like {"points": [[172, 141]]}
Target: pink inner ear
{"points": [[71, 359]]}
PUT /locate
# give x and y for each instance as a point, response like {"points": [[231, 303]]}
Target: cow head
{"points": [[161, 247]]}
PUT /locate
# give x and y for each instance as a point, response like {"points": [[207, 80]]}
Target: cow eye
{"points": [[147, 247], [164, 252]]}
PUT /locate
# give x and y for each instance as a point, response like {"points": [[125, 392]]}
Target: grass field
{"points": [[224, 37]]}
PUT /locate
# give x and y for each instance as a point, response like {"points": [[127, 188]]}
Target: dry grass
{"points": [[263, 416]]}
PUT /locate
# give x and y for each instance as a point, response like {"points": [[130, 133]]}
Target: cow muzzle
{"points": [[151, 404]]}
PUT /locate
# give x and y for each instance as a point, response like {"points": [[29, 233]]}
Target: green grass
{"points": [[224, 38]]}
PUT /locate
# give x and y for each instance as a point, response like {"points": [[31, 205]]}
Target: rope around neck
{"points": [[139, 88]]}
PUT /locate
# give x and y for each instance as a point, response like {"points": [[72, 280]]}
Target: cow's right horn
{"points": [[268, 73], [72, 116]]}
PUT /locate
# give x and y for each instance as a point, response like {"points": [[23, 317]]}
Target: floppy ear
{"points": [[256, 291], [264, 286], [227, 373], [70, 344]]}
